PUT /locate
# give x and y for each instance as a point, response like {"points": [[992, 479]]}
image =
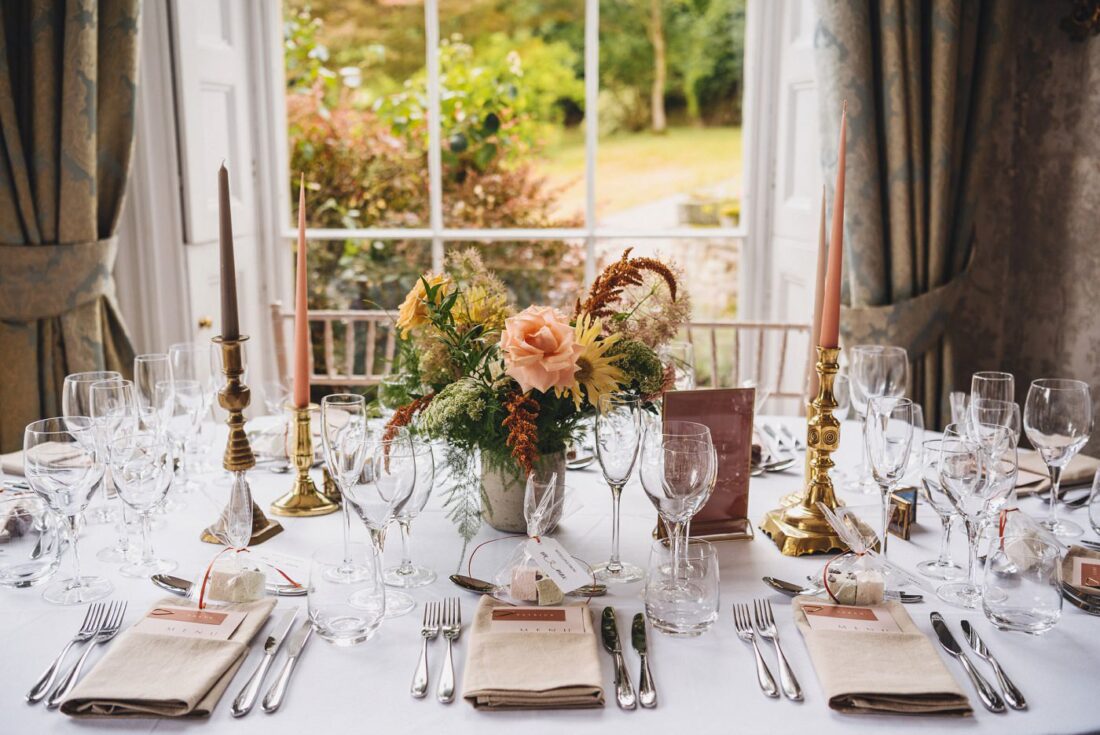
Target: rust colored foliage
{"points": [[609, 285], [523, 411], [404, 415]]}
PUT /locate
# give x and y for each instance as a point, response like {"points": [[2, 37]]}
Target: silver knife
{"points": [[294, 646], [796, 443], [244, 702], [647, 690], [609, 633], [184, 588], [1013, 695], [986, 692]]}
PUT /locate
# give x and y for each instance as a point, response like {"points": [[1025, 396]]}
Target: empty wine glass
{"points": [[843, 396], [180, 404], [141, 464], [961, 478], [194, 361], [63, 467], [991, 419], [347, 443], [149, 371], [407, 574], [992, 385], [888, 438], [942, 567], [873, 371], [1058, 422], [114, 412], [680, 356], [76, 401], [618, 434]]}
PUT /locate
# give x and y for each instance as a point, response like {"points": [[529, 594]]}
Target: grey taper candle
{"points": [[231, 328]]}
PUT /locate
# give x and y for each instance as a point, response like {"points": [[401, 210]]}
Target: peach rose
{"points": [[539, 349]]}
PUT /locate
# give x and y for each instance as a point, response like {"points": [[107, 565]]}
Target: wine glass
{"points": [[347, 441], [888, 439], [180, 406], [150, 370], [618, 434], [141, 464], [680, 356], [842, 394], [407, 574], [991, 419], [942, 567], [63, 467], [1058, 422], [873, 371], [76, 401], [992, 385], [380, 494], [113, 412], [194, 361]]}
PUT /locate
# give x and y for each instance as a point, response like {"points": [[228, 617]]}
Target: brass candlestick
{"points": [[801, 528], [238, 459], [303, 499]]}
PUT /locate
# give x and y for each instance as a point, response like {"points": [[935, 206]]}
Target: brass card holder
{"points": [[238, 459], [304, 499], [798, 526]]}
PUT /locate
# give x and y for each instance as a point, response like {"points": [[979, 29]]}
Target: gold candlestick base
{"points": [[800, 527], [303, 500]]}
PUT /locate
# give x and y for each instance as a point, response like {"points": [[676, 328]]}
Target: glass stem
{"points": [[406, 549], [864, 467], [885, 518], [945, 542], [378, 538], [614, 565], [1055, 484], [972, 533], [678, 528], [76, 556], [120, 527], [146, 543], [347, 531]]}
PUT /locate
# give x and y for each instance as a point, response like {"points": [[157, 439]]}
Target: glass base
{"points": [[1023, 620], [397, 604], [112, 555], [935, 569], [348, 630], [77, 591], [408, 578], [144, 570], [348, 574], [1062, 529], [860, 485], [961, 594], [98, 515], [623, 574]]}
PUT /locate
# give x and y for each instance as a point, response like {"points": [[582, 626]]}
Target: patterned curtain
{"points": [[922, 79], [68, 71]]}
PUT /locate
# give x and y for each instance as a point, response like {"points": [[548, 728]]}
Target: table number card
{"points": [[1086, 572], [728, 413], [190, 622], [850, 618], [538, 620]]}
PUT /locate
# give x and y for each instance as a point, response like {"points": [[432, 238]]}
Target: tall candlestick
{"points": [[231, 328], [819, 300], [830, 310], [301, 310]]}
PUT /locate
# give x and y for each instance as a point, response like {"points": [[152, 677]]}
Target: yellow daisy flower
{"points": [[596, 373], [478, 305]]}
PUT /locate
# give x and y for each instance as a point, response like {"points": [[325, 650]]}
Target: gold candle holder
{"points": [[800, 527], [303, 500], [238, 458]]}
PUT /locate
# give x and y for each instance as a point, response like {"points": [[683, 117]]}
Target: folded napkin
{"points": [[881, 673], [12, 463], [1035, 478], [1069, 579], [531, 670], [150, 675]]}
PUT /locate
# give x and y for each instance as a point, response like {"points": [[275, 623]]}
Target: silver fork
{"points": [[452, 628], [108, 629], [86, 632], [743, 621], [429, 631], [765, 626]]}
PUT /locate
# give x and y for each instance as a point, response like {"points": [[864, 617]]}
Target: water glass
{"points": [[1022, 587], [32, 540], [681, 598], [346, 612]]}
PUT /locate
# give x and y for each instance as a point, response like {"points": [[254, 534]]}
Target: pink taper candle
{"points": [[301, 309], [830, 308], [819, 299]]}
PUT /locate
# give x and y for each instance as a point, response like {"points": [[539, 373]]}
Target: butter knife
{"points": [[244, 702], [647, 691], [1013, 695], [609, 633], [184, 588], [294, 647], [986, 692]]}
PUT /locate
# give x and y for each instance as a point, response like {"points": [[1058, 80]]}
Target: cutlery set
{"points": [[443, 618], [760, 621], [244, 702], [624, 688], [102, 623], [790, 589], [481, 587], [991, 698]]}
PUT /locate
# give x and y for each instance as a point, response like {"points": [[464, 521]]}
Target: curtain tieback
{"points": [[43, 281]]}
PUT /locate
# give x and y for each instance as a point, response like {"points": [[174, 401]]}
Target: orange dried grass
{"points": [[609, 285], [523, 434]]}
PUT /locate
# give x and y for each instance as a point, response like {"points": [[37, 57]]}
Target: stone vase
{"points": [[502, 499]]}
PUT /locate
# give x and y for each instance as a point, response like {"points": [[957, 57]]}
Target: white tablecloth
{"points": [[706, 684]]}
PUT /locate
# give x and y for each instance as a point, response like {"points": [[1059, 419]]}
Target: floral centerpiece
{"points": [[512, 387]]}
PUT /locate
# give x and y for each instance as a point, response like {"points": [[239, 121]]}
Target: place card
{"points": [[190, 622], [1086, 572], [850, 618], [272, 562], [538, 620], [557, 564]]}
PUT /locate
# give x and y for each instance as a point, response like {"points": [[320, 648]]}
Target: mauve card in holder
{"points": [[728, 413]]}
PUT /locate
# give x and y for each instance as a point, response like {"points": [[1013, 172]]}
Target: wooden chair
{"points": [[359, 346]]}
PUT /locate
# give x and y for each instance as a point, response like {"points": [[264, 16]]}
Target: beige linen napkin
{"points": [[12, 463], [530, 670], [881, 673], [1035, 478], [148, 675]]}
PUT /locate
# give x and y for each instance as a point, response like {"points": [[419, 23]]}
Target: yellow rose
{"points": [[413, 312]]}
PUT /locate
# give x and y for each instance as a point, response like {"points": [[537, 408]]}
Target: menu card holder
{"points": [[728, 413]]}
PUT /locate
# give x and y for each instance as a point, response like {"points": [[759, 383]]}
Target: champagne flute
{"points": [[64, 468], [618, 434], [114, 412], [142, 466], [407, 574], [150, 370], [76, 401], [1058, 422], [873, 371], [347, 441], [888, 438]]}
